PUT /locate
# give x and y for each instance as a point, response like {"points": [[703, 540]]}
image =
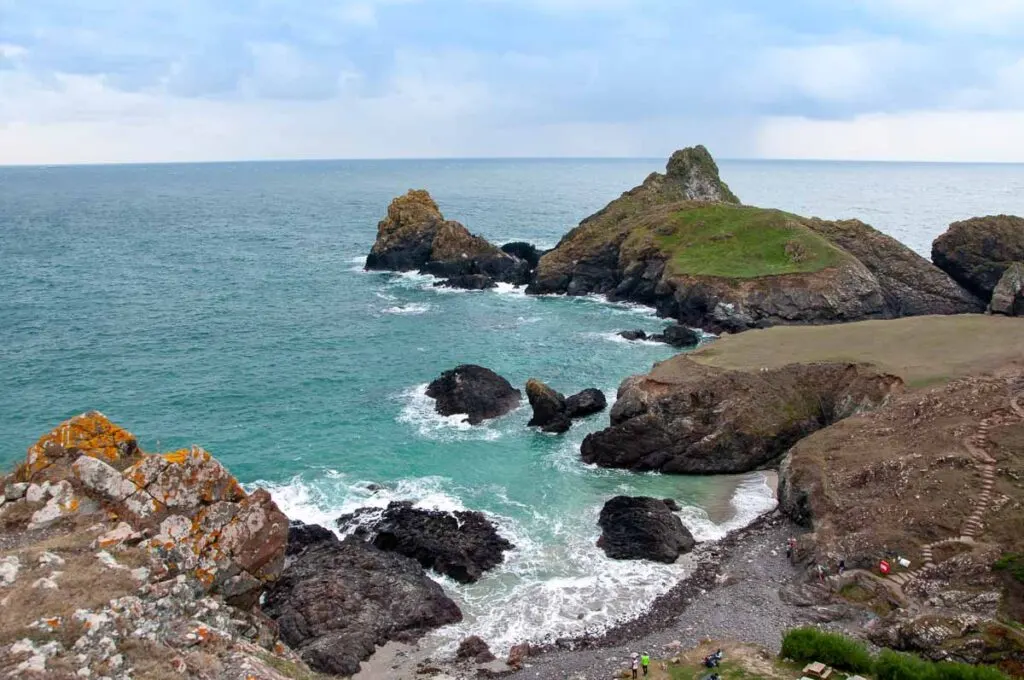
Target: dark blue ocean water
{"points": [[225, 305]]}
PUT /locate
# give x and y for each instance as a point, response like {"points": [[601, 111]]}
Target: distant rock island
{"points": [[683, 243]]}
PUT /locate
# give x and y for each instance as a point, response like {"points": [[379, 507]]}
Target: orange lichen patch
{"points": [[53, 623], [176, 457], [204, 576], [89, 434]]}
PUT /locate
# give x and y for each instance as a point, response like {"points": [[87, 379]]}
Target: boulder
{"points": [[338, 600], [474, 648], [976, 252], [585, 403], [518, 654], [633, 335], [1008, 295], [686, 418], [640, 528], [200, 520], [478, 392], [461, 545], [468, 282], [302, 536], [682, 243], [548, 405], [524, 251], [678, 335], [415, 235]]}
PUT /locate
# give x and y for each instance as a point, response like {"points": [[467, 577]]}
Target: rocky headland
{"points": [[415, 236], [682, 243]]}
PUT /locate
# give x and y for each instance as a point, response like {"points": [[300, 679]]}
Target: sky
{"points": [[93, 81]]}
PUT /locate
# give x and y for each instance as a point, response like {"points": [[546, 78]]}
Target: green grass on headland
{"points": [[743, 242]]}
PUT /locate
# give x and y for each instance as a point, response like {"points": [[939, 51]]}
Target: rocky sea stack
{"points": [[553, 412], [478, 392], [415, 236], [683, 243], [979, 251], [461, 545], [687, 418], [640, 528]]}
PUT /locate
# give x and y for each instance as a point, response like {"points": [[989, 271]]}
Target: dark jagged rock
{"points": [[524, 251], [476, 649], [671, 504], [302, 536], [468, 282], [478, 392], [415, 235], [678, 335], [585, 403], [462, 545], [683, 244], [633, 335], [640, 528], [338, 600], [1008, 296], [548, 405], [976, 252], [685, 418]]}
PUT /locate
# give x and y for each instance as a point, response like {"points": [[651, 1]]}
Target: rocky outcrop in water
{"points": [[1008, 295], [976, 252], [685, 418], [468, 282], [553, 412], [682, 243], [338, 600], [478, 392], [415, 236], [461, 545], [640, 528], [524, 251], [678, 335]]}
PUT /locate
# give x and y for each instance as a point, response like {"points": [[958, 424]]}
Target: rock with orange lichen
{"points": [[193, 513]]}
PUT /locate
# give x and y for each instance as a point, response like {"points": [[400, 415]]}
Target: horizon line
{"points": [[385, 159]]}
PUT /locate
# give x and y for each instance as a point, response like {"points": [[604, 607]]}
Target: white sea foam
{"points": [[615, 337], [410, 309], [509, 289], [358, 264], [419, 412], [753, 497]]}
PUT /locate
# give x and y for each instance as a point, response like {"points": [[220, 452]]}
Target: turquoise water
{"points": [[225, 305]]}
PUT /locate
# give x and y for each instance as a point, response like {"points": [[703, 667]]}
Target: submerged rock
{"points": [[461, 545], [678, 335], [633, 335], [338, 600], [640, 528], [468, 282], [1008, 295], [976, 252], [686, 418], [478, 392], [415, 235], [585, 403]]}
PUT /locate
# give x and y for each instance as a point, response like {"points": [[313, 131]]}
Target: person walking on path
{"points": [[645, 661], [635, 665]]}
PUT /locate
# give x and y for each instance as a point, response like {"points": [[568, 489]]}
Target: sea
{"points": [[226, 305]]}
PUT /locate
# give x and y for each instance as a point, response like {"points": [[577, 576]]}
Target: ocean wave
{"points": [[510, 289], [419, 412], [615, 337], [753, 497], [408, 309]]}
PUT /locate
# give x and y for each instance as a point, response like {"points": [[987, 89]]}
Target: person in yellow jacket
{"points": [[645, 661]]}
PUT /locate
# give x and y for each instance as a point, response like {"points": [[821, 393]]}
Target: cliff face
{"points": [[415, 236], [99, 539], [682, 243], [685, 418], [976, 252]]}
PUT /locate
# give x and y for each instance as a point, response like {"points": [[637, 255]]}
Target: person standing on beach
{"points": [[645, 661], [635, 664]]}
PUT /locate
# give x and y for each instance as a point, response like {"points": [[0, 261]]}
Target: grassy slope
{"points": [[922, 350], [744, 242]]}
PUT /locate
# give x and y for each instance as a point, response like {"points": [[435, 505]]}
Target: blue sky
{"points": [[156, 80]]}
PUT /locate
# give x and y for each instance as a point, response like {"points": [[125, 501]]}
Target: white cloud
{"points": [[998, 17], [968, 136]]}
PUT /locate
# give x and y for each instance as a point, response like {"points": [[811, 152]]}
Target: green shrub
{"points": [[811, 644], [1013, 563], [892, 665]]}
